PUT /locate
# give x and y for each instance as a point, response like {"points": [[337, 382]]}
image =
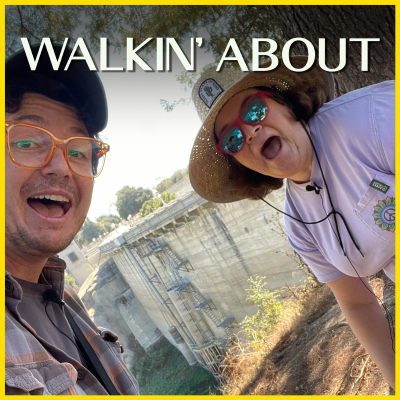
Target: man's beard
{"points": [[35, 246], [26, 242]]}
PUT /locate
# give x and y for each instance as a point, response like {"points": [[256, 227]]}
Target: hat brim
{"points": [[209, 169], [79, 79]]}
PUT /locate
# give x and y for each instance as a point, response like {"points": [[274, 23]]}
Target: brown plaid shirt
{"points": [[34, 366]]}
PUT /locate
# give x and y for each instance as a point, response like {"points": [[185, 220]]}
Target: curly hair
{"points": [[250, 184]]}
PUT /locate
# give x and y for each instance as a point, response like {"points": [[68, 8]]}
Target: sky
{"points": [[146, 141]]}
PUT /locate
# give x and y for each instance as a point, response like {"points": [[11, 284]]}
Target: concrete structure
{"points": [[112, 304], [189, 262], [181, 187], [77, 264]]}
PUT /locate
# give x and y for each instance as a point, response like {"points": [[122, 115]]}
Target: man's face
{"points": [[35, 225]]}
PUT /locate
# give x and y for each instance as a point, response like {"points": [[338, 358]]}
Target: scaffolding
{"points": [[195, 310]]}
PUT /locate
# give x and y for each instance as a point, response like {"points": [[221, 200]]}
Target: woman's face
{"points": [[278, 146]]}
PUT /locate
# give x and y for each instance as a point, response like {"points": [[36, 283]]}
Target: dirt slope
{"points": [[317, 355]]}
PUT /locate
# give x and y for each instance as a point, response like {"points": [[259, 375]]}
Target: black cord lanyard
{"points": [[82, 344], [335, 213]]}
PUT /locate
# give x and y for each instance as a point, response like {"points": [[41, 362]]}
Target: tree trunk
{"points": [[334, 22]]}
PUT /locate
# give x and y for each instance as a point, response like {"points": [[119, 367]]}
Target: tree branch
{"points": [[23, 27]]}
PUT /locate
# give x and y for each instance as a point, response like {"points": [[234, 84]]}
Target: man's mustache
{"points": [[53, 184]]}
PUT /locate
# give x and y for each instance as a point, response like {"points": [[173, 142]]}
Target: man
{"points": [[52, 157]]}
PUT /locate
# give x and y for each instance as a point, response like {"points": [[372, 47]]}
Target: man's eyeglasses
{"points": [[33, 147], [253, 112]]}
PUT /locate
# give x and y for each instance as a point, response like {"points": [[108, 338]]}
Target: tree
{"points": [[140, 22], [70, 280], [166, 183], [37, 22], [167, 197], [130, 200], [107, 220], [89, 231], [334, 22], [221, 23], [151, 205], [242, 22]]}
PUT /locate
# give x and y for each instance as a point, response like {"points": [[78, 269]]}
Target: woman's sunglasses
{"points": [[253, 112]]}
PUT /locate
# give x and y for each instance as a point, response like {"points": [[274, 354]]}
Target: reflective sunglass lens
{"points": [[255, 111], [232, 142]]}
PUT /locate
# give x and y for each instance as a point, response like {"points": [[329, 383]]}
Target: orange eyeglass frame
{"points": [[105, 148]]}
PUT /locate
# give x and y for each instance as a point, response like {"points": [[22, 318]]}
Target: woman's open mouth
{"points": [[53, 206], [271, 147]]}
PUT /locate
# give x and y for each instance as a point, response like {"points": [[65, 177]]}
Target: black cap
{"points": [[83, 83]]}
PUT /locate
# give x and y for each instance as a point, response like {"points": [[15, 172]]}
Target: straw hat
{"points": [[209, 169]]}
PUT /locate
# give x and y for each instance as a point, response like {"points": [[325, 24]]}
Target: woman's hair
{"points": [[42, 84], [250, 184]]}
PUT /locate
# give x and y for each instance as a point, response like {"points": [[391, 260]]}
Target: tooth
{"points": [[53, 197]]}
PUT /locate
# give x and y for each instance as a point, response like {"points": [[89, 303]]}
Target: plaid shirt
{"points": [[34, 366]]}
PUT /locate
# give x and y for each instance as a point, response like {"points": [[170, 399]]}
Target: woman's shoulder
{"points": [[380, 90], [364, 116]]}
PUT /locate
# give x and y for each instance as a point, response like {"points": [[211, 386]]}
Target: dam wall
{"points": [[189, 262]]}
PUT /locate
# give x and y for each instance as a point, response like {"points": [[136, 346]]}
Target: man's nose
{"points": [[251, 132], [58, 166]]}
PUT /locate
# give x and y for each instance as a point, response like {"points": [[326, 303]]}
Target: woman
{"points": [[338, 158]]}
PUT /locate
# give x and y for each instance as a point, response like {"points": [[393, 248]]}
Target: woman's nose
{"points": [[251, 132]]}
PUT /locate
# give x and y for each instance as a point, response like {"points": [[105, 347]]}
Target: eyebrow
{"points": [[241, 106], [30, 117], [42, 121]]}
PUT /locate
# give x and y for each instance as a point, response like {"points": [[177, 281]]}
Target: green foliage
{"points": [[116, 23], [167, 197], [90, 230], [151, 205], [107, 220], [268, 306], [70, 280], [37, 22], [166, 372], [166, 183], [130, 200], [187, 80], [141, 22]]}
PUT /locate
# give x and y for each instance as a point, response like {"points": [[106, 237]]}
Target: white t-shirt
{"points": [[354, 136]]}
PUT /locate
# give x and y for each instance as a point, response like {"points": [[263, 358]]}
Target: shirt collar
{"points": [[53, 272]]}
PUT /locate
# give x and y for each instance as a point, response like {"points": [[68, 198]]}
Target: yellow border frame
{"points": [[160, 2]]}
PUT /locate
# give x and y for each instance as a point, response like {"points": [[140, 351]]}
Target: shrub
{"points": [[268, 306], [70, 280]]}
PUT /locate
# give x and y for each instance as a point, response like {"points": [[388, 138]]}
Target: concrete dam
{"points": [[182, 273]]}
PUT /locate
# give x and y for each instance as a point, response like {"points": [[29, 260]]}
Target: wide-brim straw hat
{"points": [[209, 169]]}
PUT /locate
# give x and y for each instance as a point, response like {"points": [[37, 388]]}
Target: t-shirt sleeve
{"points": [[302, 243], [383, 108]]}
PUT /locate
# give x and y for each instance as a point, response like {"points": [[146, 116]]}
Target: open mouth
{"points": [[50, 205], [271, 147]]}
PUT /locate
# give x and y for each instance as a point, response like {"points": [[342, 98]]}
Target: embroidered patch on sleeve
{"points": [[384, 214]]}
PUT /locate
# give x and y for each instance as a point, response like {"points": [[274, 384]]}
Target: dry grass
{"points": [[312, 351]]}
